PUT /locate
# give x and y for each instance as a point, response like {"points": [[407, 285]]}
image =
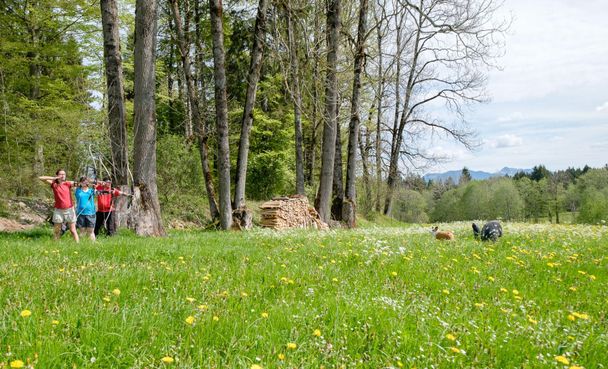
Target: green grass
{"points": [[379, 297]]}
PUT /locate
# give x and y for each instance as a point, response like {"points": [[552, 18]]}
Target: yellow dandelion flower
{"points": [[25, 313], [317, 333], [116, 292], [55, 322], [216, 318], [575, 367], [256, 366], [167, 360], [291, 346], [190, 299], [450, 336], [562, 359], [502, 289], [571, 317], [334, 279], [202, 307], [593, 278], [17, 364], [244, 294], [399, 364], [571, 338], [455, 350], [491, 279], [265, 315], [281, 356], [480, 304], [190, 320], [106, 299], [573, 289], [394, 274], [515, 292], [581, 316], [445, 292], [533, 321]]}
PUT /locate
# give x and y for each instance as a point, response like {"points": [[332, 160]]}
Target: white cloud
{"points": [[515, 116], [508, 140], [602, 107], [451, 154]]}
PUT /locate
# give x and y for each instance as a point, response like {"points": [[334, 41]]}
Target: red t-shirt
{"points": [[63, 196], [104, 200]]}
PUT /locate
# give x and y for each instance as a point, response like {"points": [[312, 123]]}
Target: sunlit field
{"points": [[369, 298]]}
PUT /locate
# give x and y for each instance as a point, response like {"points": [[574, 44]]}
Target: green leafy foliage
{"points": [[44, 89], [180, 185], [593, 190], [271, 158]]}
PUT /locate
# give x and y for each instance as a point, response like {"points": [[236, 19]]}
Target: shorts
{"points": [[64, 216], [86, 221]]}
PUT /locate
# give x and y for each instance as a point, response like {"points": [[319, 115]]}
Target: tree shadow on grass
{"points": [[37, 233]]}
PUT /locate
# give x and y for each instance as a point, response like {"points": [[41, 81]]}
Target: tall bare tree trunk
{"points": [[393, 159], [193, 100], [315, 97], [364, 147], [398, 129], [247, 120], [145, 210], [331, 110], [221, 112], [35, 74], [378, 143], [117, 117], [296, 95], [202, 131], [169, 70], [338, 183], [349, 212]]}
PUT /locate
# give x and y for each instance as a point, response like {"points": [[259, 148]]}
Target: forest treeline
{"points": [[201, 105], [563, 196]]}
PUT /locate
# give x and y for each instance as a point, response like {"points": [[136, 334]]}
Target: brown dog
{"points": [[442, 235]]}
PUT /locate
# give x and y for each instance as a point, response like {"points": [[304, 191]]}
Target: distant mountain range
{"points": [[475, 174]]}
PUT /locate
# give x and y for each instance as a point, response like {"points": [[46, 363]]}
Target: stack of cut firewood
{"points": [[290, 212]]}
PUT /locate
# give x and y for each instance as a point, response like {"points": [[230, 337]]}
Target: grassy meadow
{"points": [[388, 297]]}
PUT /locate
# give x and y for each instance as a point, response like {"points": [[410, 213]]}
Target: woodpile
{"points": [[290, 212]]}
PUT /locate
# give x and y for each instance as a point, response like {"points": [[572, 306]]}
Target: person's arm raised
{"points": [[47, 179], [120, 193]]}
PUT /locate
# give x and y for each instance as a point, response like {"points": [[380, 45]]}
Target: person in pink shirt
{"points": [[64, 206]]}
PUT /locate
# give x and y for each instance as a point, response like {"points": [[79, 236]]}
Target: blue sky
{"points": [[549, 103]]}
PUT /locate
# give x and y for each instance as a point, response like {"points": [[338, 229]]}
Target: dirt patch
{"points": [[24, 214], [9, 225], [30, 211]]}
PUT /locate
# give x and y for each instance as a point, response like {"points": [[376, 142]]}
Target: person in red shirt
{"points": [[105, 206], [64, 206]]}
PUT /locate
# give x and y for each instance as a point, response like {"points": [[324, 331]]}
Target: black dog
{"points": [[490, 231]]}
